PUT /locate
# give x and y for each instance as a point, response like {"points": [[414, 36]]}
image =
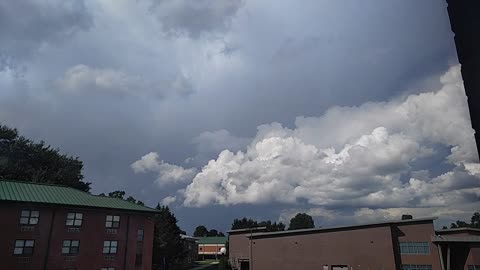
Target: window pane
{"points": [[113, 250], [28, 250], [66, 243], [115, 224], [109, 218], [24, 220], [116, 218], [69, 222], [74, 250], [70, 215], [65, 250], [33, 221], [29, 243], [19, 243], [34, 214], [106, 249], [78, 215], [18, 250], [108, 224], [25, 213], [113, 243], [75, 243], [78, 222], [106, 243]]}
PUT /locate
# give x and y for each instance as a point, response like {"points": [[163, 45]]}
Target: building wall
{"points": [[209, 249], [91, 235], [239, 248], [417, 232], [367, 248]]}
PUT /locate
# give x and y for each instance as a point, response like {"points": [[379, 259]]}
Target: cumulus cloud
{"points": [[195, 18], [359, 157], [166, 173], [168, 200], [210, 143], [26, 26], [81, 78]]}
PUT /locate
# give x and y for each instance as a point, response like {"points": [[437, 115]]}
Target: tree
{"points": [[212, 232], [120, 194], [245, 223], [117, 194], [200, 231], [221, 234], [301, 221], [22, 159], [167, 246], [474, 222]]}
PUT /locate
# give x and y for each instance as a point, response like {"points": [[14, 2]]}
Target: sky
{"points": [[350, 111]]}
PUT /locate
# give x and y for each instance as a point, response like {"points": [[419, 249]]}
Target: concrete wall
{"points": [[91, 234]]}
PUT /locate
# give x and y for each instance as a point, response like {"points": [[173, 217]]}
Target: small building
{"points": [[211, 247], [190, 245], [395, 245], [56, 228]]}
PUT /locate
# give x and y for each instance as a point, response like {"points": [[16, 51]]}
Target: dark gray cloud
{"points": [[268, 61], [195, 18], [27, 26]]}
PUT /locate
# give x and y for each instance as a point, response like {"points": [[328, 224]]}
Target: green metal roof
{"points": [[212, 240], [54, 194]]}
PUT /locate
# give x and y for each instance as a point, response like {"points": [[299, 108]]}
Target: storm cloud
{"points": [[194, 87]]}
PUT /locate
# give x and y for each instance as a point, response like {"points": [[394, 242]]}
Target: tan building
{"points": [[406, 244], [211, 247]]}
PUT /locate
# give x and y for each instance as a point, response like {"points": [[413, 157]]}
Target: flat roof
{"points": [[247, 230], [338, 228], [462, 229], [29, 192], [456, 239]]}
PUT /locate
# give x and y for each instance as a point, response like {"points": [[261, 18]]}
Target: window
{"points": [[110, 247], [74, 219], [29, 217], [108, 268], [112, 221], [414, 248], [416, 267], [474, 267], [70, 247], [140, 235], [24, 247]]}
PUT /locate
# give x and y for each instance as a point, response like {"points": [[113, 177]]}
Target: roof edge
{"points": [[319, 230], [247, 230]]}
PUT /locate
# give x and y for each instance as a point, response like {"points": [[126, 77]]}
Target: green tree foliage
{"points": [[120, 194], [200, 231], [301, 221], [246, 223], [212, 232], [221, 234], [168, 248], [474, 222], [24, 160]]}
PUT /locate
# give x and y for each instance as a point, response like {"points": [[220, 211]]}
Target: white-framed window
{"points": [[108, 268], [29, 217], [23, 247], [110, 247], [112, 221], [74, 219], [70, 247], [140, 234]]}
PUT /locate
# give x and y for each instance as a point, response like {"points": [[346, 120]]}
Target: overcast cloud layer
{"points": [[225, 109]]}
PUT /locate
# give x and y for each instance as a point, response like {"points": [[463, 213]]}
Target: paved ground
{"points": [[212, 265]]}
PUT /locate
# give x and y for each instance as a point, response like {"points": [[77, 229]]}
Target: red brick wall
{"points": [[92, 234]]}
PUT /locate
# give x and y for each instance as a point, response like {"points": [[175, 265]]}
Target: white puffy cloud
{"points": [[81, 78], [166, 173], [361, 157], [168, 200], [194, 18]]}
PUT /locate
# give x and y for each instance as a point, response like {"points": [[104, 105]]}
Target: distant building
{"points": [[191, 247], [410, 244], [211, 247], [56, 228]]}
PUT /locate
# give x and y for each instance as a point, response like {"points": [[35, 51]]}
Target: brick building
{"points": [[406, 244], [211, 247], [57, 228]]}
